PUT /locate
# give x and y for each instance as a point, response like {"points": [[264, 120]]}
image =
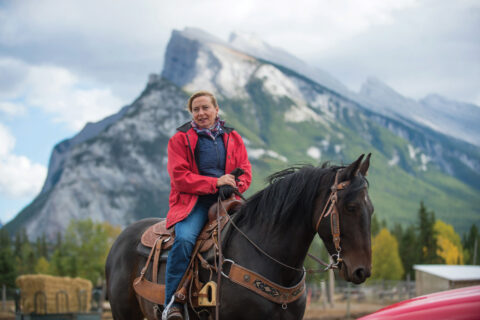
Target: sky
{"points": [[65, 63]]}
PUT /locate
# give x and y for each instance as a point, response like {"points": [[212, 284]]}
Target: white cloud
{"points": [[395, 40], [7, 141], [12, 109], [59, 92], [19, 177]]}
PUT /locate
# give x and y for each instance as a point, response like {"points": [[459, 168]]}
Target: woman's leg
{"points": [[186, 233]]}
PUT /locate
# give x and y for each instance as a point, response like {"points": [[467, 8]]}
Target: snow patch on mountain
{"points": [[205, 79], [277, 83], [301, 113], [412, 151], [314, 152], [325, 143], [424, 160], [395, 159], [338, 148], [259, 153], [251, 44], [235, 71]]}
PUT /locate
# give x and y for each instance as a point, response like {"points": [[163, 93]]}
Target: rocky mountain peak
{"points": [[195, 60], [374, 89]]}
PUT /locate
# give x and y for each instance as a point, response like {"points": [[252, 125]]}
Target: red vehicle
{"points": [[461, 304]]}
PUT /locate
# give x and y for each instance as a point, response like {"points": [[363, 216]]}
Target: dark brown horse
{"points": [[282, 220]]}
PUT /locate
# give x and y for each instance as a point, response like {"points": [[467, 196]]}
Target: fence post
{"points": [[4, 298], [331, 285], [323, 287], [409, 286], [348, 300]]}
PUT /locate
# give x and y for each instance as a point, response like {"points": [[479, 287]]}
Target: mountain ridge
{"points": [[118, 174]]}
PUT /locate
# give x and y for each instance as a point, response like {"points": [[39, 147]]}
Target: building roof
{"points": [[450, 272]]}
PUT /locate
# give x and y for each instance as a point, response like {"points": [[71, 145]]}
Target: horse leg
{"points": [[150, 310]]}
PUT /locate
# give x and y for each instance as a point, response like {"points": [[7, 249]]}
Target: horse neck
{"points": [[286, 244]]}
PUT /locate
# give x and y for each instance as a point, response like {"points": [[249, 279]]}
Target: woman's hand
{"points": [[226, 179]]}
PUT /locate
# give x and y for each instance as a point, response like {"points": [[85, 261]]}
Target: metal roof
{"points": [[451, 272]]}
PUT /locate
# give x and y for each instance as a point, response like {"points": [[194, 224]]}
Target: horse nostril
{"points": [[360, 274]]}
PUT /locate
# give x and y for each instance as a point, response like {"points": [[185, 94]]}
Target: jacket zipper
{"points": [[226, 153]]}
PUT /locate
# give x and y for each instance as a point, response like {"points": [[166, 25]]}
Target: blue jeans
{"points": [[186, 233]]}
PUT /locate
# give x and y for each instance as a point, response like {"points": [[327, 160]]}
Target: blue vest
{"points": [[210, 156]]}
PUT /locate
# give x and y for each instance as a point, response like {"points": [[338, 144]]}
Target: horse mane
{"points": [[291, 192]]}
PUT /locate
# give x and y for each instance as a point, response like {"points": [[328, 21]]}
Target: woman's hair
{"points": [[200, 94]]}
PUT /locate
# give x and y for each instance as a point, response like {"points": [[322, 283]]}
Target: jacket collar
{"points": [[187, 126]]}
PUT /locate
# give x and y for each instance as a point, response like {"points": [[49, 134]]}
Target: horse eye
{"points": [[351, 207]]}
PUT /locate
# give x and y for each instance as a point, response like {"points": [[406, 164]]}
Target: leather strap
{"points": [[264, 287], [144, 269], [332, 210], [158, 250], [153, 292]]}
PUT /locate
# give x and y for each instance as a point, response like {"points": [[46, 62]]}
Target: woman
{"points": [[200, 157]]}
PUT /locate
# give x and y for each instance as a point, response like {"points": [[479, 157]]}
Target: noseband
{"points": [[332, 210]]}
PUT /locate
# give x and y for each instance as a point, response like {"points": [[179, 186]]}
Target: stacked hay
{"points": [[79, 292]]}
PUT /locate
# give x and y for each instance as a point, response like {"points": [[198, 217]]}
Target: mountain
{"points": [[456, 119], [115, 174], [115, 170]]}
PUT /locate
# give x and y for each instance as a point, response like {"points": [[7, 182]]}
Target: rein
{"points": [[329, 209], [292, 292]]}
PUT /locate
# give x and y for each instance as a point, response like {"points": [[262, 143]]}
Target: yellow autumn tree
{"points": [[386, 263], [448, 243], [42, 266]]}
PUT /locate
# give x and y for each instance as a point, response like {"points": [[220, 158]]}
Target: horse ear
{"points": [[352, 169], [364, 167]]}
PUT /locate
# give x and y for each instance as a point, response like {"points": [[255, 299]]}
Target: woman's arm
{"points": [[180, 170], [242, 161]]}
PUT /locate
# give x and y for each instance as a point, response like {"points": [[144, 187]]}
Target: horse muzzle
{"points": [[357, 276]]}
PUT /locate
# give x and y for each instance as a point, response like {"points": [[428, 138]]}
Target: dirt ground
{"points": [[315, 311]]}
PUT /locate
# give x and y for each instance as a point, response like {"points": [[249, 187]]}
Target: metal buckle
{"points": [[337, 259], [230, 261]]}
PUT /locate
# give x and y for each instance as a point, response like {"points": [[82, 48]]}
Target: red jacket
{"points": [[186, 182]]}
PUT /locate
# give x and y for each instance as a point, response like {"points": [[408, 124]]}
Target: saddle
{"points": [[160, 239]]}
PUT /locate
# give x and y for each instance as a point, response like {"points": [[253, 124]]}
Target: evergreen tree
{"points": [[24, 253], [409, 250], [7, 260], [397, 231], [471, 243], [427, 239], [375, 226], [41, 247]]}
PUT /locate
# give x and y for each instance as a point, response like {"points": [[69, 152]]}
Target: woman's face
{"points": [[204, 112]]}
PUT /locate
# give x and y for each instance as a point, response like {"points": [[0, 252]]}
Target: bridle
{"points": [[329, 209], [332, 210]]}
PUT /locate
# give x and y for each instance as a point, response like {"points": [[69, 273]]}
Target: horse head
{"points": [[345, 226]]}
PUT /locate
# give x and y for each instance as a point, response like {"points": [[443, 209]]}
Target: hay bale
{"points": [[78, 291]]}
